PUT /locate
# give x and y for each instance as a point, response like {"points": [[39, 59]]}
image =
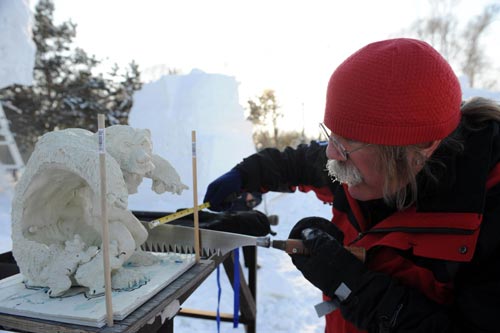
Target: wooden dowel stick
{"points": [[104, 220], [195, 200]]}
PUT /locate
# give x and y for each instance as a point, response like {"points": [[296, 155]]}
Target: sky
{"points": [[289, 46]]}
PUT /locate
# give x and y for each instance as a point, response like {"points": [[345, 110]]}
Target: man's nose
{"points": [[332, 153]]}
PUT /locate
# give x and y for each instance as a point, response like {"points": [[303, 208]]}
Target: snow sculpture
{"points": [[56, 228]]}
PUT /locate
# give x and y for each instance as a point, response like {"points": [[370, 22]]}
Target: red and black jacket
{"points": [[434, 267]]}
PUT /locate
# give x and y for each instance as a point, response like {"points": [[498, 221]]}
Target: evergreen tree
{"points": [[67, 92]]}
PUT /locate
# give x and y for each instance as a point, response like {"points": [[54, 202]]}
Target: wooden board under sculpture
{"points": [[57, 232], [16, 299]]}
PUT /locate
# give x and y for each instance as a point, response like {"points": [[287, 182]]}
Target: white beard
{"points": [[344, 173]]}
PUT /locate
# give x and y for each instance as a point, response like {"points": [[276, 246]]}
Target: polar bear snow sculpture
{"points": [[56, 228]]}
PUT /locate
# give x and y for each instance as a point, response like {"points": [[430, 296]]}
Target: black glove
{"points": [[253, 223], [330, 267], [317, 223], [221, 190]]}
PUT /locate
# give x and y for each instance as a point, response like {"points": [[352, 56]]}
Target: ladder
{"points": [[10, 158]]}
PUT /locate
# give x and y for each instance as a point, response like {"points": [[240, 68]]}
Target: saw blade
{"points": [[180, 239]]}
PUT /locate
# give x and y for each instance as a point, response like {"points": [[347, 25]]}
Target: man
{"points": [[414, 181]]}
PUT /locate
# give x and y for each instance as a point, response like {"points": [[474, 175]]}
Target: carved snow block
{"points": [[56, 225]]}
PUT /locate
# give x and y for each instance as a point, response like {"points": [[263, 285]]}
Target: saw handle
{"points": [[295, 246]]}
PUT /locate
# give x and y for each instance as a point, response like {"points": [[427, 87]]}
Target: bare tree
{"points": [[474, 60], [440, 27], [461, 46], [265, 112]]}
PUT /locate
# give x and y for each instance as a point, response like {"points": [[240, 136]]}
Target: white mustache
{"points": [[344, 173]]}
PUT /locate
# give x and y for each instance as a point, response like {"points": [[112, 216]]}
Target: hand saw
{"points": [[180, 239]]}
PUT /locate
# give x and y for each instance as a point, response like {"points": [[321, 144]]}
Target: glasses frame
{"points": [[339, 146]]}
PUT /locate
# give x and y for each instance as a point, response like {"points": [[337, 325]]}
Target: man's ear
{"points": [[428, 148]]}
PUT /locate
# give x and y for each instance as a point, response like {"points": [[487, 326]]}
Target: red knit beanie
{"points": [[394, 92]]}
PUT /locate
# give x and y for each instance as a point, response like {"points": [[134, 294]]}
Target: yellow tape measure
{"points": [[176, 215]]}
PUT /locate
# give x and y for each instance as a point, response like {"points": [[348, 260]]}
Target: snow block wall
{"points": [[171, 108], [17, 58], [17, 50]]}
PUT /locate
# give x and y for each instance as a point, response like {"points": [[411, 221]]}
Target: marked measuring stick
{"points": [[195, 200], [176, 215], [104, 220]]}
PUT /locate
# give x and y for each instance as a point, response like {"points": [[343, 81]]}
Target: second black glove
{"points": [[330, 267]]}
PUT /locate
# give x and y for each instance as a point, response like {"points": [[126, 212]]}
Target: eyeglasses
{"points": [[344, 153]]}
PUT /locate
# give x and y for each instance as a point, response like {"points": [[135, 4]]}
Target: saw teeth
{"points": [[180, 249]]}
